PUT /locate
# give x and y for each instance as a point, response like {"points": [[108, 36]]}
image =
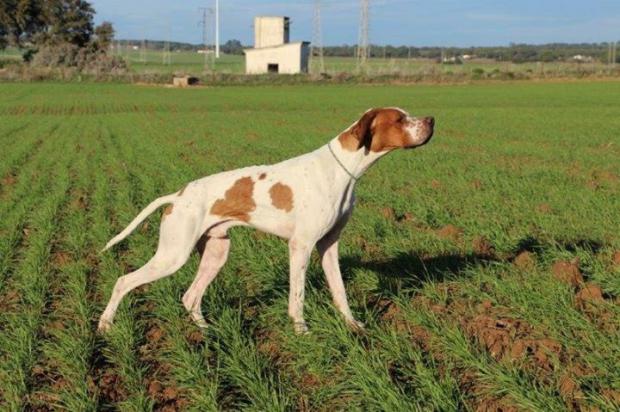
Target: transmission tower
{"points": [[166, 54], [143, 51], [209, 61], [362, 43], [317, 64]]}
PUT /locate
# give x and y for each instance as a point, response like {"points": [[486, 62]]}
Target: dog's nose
{"points": [[430, 121]]}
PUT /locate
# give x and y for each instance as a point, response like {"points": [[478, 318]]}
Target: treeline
{"points": [[517, 53]]}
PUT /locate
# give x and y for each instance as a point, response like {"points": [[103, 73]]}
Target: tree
{"points": [[105, 35], [19, 21], [233, 46], [69, 21]]}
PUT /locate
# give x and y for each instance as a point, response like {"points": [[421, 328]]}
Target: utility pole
{"points": [[613, 55], [317, 64], [362, 44], [217, 29]]}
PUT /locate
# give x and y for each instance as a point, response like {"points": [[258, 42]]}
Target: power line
{"points": [[362, 44], [317, 63]]}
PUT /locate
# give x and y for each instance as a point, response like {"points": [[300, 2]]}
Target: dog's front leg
{"points": [[328, 250], [299, 254]]}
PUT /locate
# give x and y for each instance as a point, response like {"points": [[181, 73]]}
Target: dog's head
{"points": [[385, 129]]}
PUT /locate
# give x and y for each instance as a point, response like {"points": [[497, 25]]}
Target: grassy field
{"points": [[484, 264]]}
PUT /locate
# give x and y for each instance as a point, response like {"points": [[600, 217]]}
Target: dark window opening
{"points": [[272, 68]]}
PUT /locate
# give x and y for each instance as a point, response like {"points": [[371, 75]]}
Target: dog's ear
{"points": [[362, 130]]}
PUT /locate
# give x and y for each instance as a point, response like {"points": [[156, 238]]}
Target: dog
{"points": [[306, 200]]}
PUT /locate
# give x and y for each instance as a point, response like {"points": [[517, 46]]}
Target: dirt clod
{"points": [[591, 292], [8, 180], [544, 208], [405, 217], [568, 272], [483, 247], [195, 337], [111, 387], [388, 213], [450, 232], [616, 258], [525, 261]]}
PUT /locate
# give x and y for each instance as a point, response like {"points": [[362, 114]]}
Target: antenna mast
{"points": [[317, 63], [362, 44]]}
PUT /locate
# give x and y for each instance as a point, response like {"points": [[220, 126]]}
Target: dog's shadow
{"points": [[408, 270]]}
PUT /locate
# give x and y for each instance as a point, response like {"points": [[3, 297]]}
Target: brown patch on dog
{"points": [[237, 202], [568, 272], [281, 196], [525, 261], [262, 176], [168, 210]]}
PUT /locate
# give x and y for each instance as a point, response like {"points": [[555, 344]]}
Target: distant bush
{"points": [[84, 59]]}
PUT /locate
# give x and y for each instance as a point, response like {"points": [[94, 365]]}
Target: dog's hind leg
{"points": [[176, 240], [213, 258]]}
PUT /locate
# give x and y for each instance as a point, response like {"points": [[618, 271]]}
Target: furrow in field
{"points": [[21, 205], [28, 149], [26, 294], [117, 373], [60, 375]]}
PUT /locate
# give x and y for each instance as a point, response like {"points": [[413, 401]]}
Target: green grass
{"points": [[526, 166]]}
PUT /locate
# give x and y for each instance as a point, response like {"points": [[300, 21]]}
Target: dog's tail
{"points": [[138, 219]]}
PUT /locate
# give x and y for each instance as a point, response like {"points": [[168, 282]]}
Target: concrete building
{"points": [[272, 52]]}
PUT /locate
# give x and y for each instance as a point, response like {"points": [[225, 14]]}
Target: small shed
{"points": [[272, 52]]}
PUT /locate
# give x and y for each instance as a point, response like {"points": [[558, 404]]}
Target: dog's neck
{"points": [[349, 165]]}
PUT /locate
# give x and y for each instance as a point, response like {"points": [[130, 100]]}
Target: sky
{"points": [[398, 22]]}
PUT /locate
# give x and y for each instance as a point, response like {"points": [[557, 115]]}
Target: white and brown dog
{"points": [[306, 200]]}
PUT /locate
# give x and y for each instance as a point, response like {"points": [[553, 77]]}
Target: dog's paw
{"points": [[356, 326], [104, 326], [301, 328], [199, 320]]}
